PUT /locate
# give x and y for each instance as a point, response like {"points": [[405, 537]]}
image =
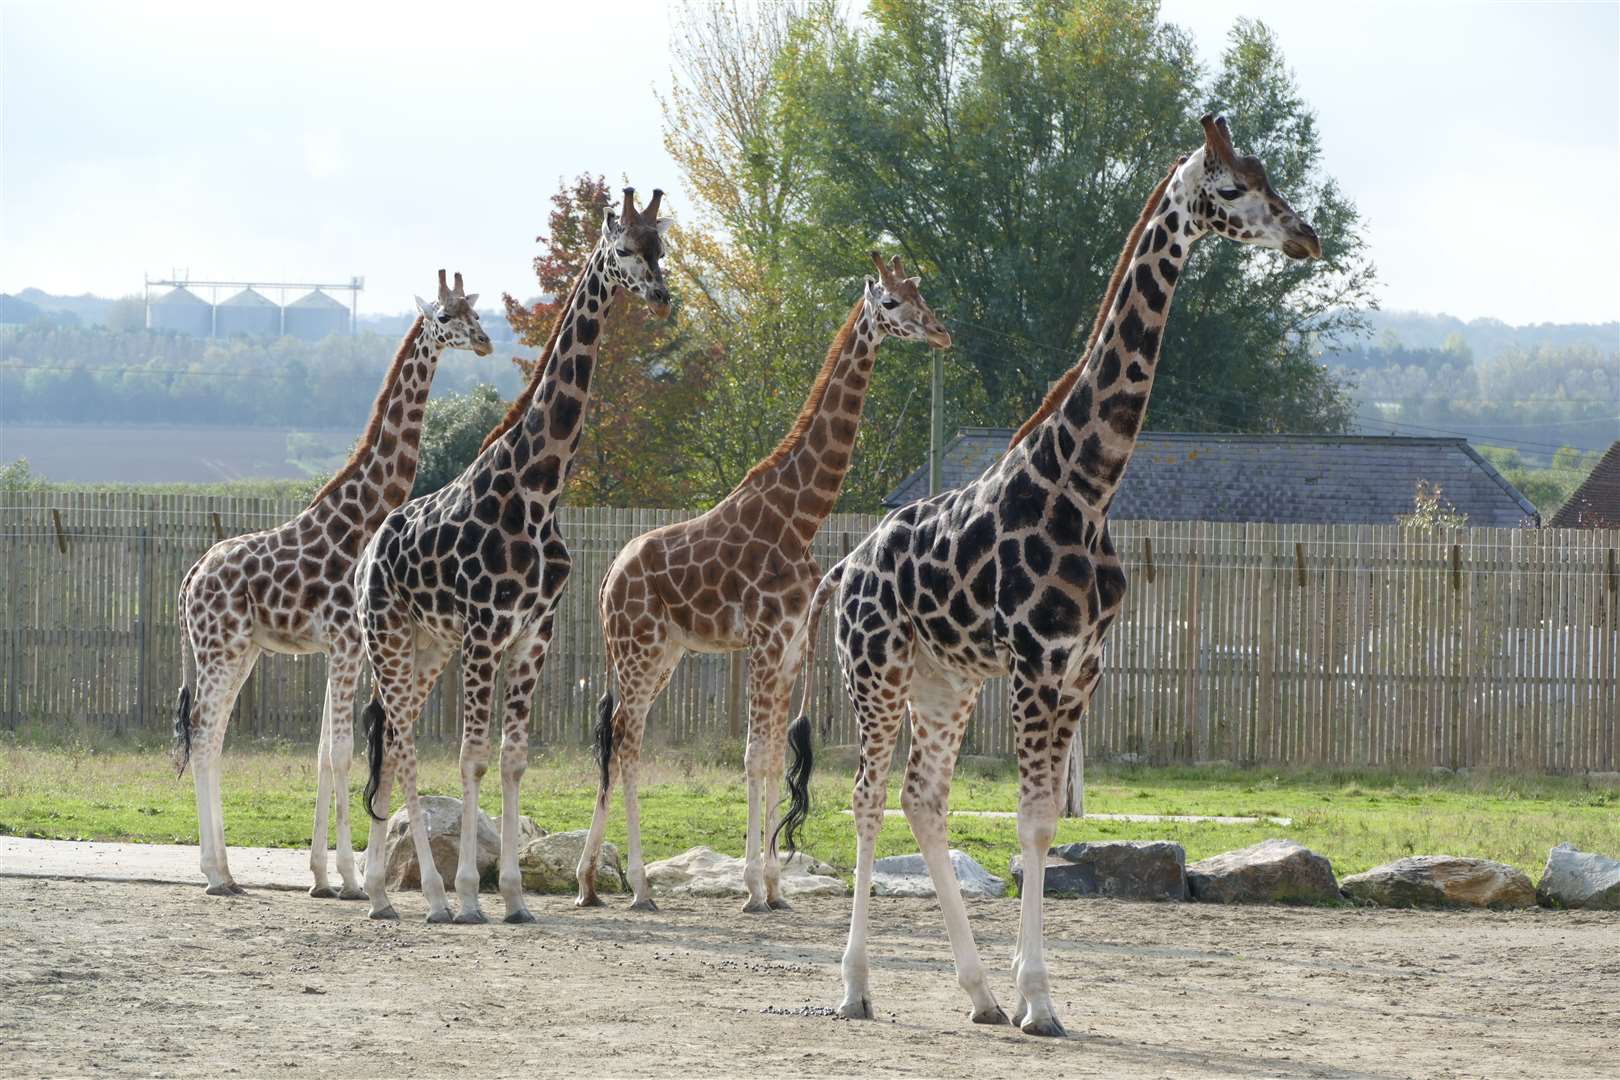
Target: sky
{"points": [[305, 142]]}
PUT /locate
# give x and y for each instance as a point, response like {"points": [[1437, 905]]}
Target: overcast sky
{"points": [[311, 142]]}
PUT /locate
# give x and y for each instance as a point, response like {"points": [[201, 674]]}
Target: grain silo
{"points": [[247, 314], [182, 311], [315, 316]]}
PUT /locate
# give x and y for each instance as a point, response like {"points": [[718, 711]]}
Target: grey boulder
{"points": [[1270, 872], [550, 864], [1579, 879], [907, 875], [1119, 869], [1442, 881], [703, 871], [442, 816]]}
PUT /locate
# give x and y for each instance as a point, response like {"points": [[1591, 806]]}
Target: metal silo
{"points": [[247, 314], [315, 316], [181, 311]]}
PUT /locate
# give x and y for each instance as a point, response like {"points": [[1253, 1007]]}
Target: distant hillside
{"points": [[1487, 337], [86, 308]]}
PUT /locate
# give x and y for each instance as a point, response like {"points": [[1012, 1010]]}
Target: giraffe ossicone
{"points": [[288, 590], [479, 566], [740, 577], [1015, 574]]}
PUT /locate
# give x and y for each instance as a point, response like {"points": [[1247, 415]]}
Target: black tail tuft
{"points": [[798, 784], [376, 719], [604, 737], [182, 731]]}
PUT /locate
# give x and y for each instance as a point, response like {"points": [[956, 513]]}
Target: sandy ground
{"points": [[105, 977]]}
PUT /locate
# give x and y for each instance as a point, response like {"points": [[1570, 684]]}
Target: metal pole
{"points": [[936, 426]]}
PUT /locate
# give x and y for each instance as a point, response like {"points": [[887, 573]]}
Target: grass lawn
{"points": [[1358, 819]]}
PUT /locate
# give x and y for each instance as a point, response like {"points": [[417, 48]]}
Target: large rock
{"points": [[550, 864], [907, 875], [703, 871], [1270, 872], [442, 814], [1120, 869], [1579, 879], [1442, 881]]}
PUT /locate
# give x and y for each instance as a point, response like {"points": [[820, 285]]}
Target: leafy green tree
{"points": [[453, 428], [1007, 147]]}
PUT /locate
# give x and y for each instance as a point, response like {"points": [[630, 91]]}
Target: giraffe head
{"points": [[632, 243], [898, 310], [452, 320], [1229, 194]]}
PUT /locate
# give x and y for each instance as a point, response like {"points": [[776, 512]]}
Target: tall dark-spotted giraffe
{"points": [[740, 577], [288, 590], [479, 566], [1014, 574]]}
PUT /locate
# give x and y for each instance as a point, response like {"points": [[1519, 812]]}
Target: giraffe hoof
{"points": [[322, 892], [469, 918], [756, 907], [643, 904], [860, 1009], [1020, 1014], [222, 890], [992, 1015], [519, 915], [1048, 1028], [589, 901], [355, 893], [436, 917], [779, 905], [387, 913]]}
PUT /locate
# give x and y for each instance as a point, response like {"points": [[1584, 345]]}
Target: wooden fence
{"points": [[1333, 645]]}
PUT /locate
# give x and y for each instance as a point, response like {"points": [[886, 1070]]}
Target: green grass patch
{"points": [[1357, 818]]}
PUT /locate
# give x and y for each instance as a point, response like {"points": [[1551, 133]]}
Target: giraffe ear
{"points": [[663, 226], [425, 308], [472, 299], [609, 221]]}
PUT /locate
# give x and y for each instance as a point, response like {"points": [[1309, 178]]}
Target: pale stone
{"points": [[550, 864], [907, 875], [1580, 879], [1442, 881], [1270, 872], [702, 871]]}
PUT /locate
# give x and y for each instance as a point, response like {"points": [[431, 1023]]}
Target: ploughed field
{"points": [[115, 979]]}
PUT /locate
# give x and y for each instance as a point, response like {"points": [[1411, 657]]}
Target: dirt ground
{"points": [[106, 978]]}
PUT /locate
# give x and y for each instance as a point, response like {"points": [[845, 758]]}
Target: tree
{"points": [[453, 428], [1007, 148], [648, 386]]}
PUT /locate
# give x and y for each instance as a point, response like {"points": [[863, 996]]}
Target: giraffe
{"points": [[480, 565], [740, 577], [287, 590], [1015, 575]]}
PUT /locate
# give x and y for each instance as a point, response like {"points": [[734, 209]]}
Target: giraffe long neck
{"points": [[1087, 440], [379, 475], [543, 442], [801, 478]]}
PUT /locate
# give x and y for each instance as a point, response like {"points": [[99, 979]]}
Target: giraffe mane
{"points": [[818, 391], [368, 440], [521, 403], [1060, 389]]}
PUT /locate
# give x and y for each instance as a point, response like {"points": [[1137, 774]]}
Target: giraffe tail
{"points": [[803, 760], [376, 719], [603, 733], [181, 752]]}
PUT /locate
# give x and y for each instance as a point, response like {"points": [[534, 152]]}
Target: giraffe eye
{"points": [[891, 303], [444, 318], [1228, 193]]}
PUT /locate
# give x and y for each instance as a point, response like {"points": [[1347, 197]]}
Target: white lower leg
{"points": [[857, 1003], [514, 761], [754, 857], [323, 799], [208, 860], [773, 861], [467, 876], [929, 830], [432, 881], [342, 756], [218, 822], [585, 873], [377, 852], [635, 868], [1035, 837]]}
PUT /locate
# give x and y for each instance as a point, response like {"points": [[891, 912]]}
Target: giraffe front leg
{"points": [[341, 687], [1039, 719], [479, 688], [521, 679], [322, 890]]}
